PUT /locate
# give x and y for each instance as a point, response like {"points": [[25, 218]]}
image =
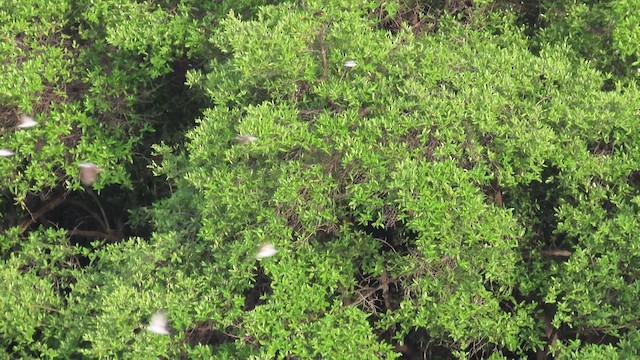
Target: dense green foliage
{"points": [[469, 189], [606, 32]]}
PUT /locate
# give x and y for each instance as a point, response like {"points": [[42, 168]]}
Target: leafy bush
{"points": [[605, 33], [402, 146]]}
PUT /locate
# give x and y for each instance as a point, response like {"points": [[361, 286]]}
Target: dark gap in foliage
{"points": [[595, 32], [493, 192], [530, 355], [601, 148], [610, 208], [256, 96], [487, 139], [546, 194], [596, 181], [261, 286], [518, 297], [376, 295], [382, 293], [322, 236], [534, 49], [630, 271], [11, 348], [390, 215], [205, 334], [9, 214], [385, 22], [432, 144], [417, 16], [412, 138], [608, 85], [310, 115], [379, 295], [404, 242], [529, 12], [169, 106], [395, 295], [369, 296], [590, 335], [394, 238], [634, 179], [61, 283], [419, 345], [76, 90], [257, 161], [336, 105], [170, 110], [64, 285], [419, 138], [386, 335], [465, 161], [89, 216], [302, 89], [8, 114], [14, 351], [291, 218], [507, 307], [481, 350], [506, 198], [447, 87], [544, 315]]}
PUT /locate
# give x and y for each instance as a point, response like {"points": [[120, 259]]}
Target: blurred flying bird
{"points": [[350, 64], [6, 152], [26, 122], [159, 323], [88, 173], [245, 139], [265, 251]]}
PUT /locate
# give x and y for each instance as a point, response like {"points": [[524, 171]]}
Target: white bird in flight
{"points": [[350, 64], [88, 173], [26, 122], [265, 251], [245, 139], [6, 152], [158, 324]]}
